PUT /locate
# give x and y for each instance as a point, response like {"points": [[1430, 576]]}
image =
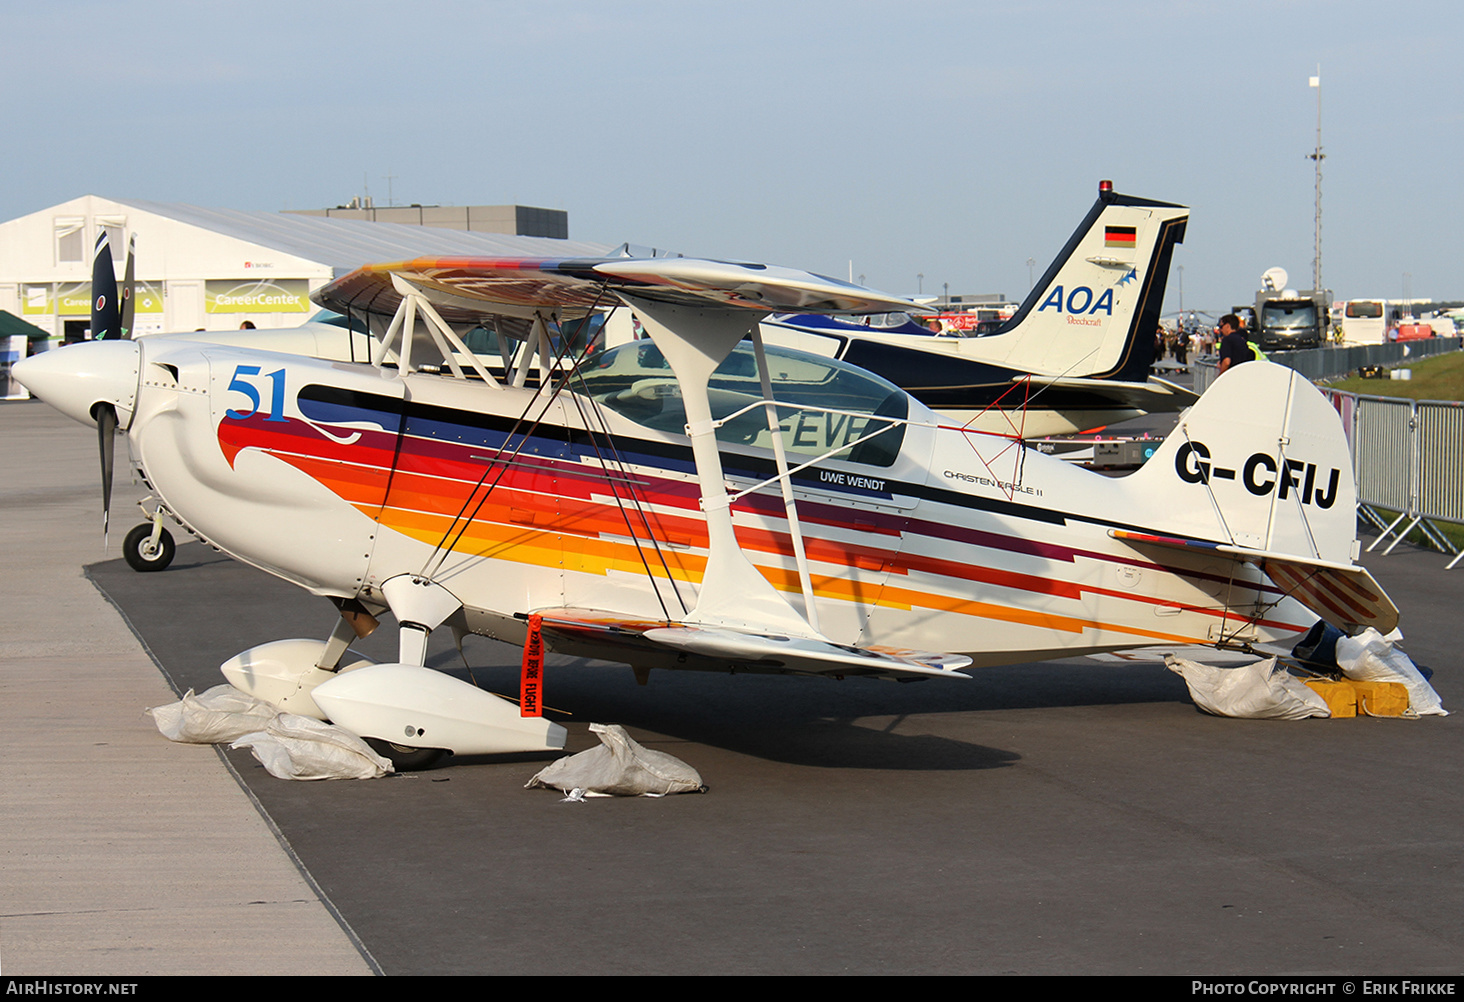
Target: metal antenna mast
{"points": [[1317, 156]]}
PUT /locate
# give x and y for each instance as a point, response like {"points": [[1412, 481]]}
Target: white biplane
{"points": [[693, 500]]}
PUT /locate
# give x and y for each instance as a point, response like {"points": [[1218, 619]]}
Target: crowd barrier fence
{"points": [[1329, 363], [1407, 455]]}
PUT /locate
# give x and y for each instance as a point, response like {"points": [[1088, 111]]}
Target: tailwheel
{"points": [[142, 554], [405, 758]]}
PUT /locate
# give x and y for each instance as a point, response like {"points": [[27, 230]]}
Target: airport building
{"points": [[215, 269], [520, 220]]}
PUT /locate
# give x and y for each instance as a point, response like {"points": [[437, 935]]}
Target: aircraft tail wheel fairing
{"points": [[143, 552], [285, 673], [419, 708]]}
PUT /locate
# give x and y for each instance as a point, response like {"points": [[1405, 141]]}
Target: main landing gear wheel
{"points": [[405, 758], [141, 555]]}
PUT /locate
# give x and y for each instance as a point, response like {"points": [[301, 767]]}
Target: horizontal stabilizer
{"points": [[1345, 595], [1156, 396]]}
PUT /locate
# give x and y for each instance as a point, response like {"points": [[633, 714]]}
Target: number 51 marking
{"points": [[276, 396]]}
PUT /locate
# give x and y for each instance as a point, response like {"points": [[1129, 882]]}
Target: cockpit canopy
{"points": [[824, 405]]}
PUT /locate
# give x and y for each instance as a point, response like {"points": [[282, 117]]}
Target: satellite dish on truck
{"points": [[1274, 279]]}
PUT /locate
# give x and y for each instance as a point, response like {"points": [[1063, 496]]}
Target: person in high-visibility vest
{"points": [[1253, 339], [1234, 348]]}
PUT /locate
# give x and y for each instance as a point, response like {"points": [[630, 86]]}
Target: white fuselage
{"points": [[339, 477]]}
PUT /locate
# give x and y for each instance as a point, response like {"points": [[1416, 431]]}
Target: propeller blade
{"points": [[106, 444], [129, 306], [106, 318]]}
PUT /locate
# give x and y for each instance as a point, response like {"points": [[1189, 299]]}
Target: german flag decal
{"points": [[1120, 236]]}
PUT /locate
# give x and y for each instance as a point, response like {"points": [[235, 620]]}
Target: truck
{"points": [[1290, 319]]}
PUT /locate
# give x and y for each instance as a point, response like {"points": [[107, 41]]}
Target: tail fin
{"points": [[1096, 308], [1261, 462], [1259, 471]]}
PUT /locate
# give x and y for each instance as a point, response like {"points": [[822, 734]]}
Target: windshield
{"points": [[565, 336], [635, 381], [1288, 315]]}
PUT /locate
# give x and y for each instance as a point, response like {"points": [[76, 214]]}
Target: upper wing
{"points": [[466, 289]]}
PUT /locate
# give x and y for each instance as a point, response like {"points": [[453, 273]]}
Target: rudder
{"points": [[1095, 309]]}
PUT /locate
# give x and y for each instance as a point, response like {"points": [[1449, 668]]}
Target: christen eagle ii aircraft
{"points": [[695, 501]]}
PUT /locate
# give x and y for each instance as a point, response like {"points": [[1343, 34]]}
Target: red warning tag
{"points": [[531, 677]]}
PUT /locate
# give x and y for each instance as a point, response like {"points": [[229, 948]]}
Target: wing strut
{"points": [[785, 482], [694, 340], [414, 301], [539, 344]]}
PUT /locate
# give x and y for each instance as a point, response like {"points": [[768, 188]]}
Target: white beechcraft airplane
{"points": [[696, 501], [1075, 357]]}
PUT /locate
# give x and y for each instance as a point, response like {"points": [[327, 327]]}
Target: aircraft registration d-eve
{"points": [[694, 500]]}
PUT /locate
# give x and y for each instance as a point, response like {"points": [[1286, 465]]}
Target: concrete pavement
{"points": [[1063, 817], [120, 853]]}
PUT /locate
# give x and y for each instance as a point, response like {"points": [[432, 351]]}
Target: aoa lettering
{"points": [[1080, 300], [1261, 474]]}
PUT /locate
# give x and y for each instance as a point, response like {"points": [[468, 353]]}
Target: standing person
{"points": [[1234, 348]]}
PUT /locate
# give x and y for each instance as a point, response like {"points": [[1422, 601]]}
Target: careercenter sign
{"points": [[281, 295], [73, 299]]}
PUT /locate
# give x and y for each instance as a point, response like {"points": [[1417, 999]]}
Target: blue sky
{"points": [[953, 140]]}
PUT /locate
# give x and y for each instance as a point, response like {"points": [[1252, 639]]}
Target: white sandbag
{"points": [[221, 714], [296, 747], [1254, 691], [618, 767], [1372, 657]]}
